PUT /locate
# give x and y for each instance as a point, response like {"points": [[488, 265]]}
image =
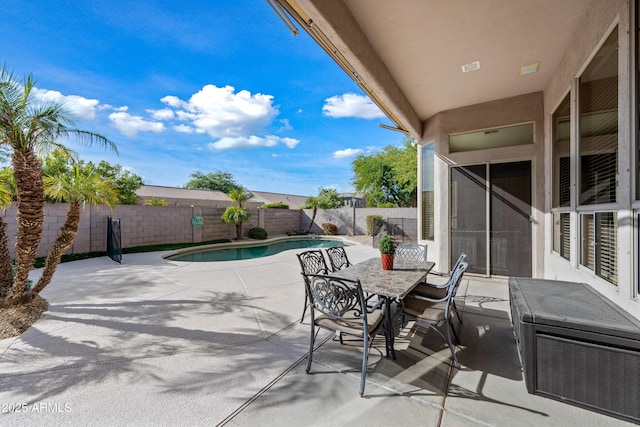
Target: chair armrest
{"points": [[378, 305], [423, 298], [435, 285]]}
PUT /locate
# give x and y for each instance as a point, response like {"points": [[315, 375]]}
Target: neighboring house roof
{"points": [[159, 192], [175, 193], [350, 195], [294, 202]]}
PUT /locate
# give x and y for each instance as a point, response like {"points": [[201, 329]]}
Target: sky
{"points": [[206, 86]]}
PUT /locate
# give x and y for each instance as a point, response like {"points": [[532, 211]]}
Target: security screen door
{"points": [[491, 217]]}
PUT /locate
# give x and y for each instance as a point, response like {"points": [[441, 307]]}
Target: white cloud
{"points": [[285, 125], [223, 113], [351, 105], [111, 107], [82, 108], [183, 129], [130, 125], [252, 142], [346, 153], [290, 142], [164, 114]]}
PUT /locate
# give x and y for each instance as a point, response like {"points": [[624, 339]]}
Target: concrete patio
{"points": [[156, 342]]}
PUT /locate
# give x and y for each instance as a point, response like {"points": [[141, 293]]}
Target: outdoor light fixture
{"points": [[529, 68]]}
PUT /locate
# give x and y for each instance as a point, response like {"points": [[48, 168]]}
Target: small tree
{"points": [[82, 185], [215, 181], [237, 214], [327, 198]]}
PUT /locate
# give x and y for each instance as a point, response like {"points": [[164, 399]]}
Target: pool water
{"points": [[250, 252]]}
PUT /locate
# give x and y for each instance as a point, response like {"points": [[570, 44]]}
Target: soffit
{"points": [[424, 43]]}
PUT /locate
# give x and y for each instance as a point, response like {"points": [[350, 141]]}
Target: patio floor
{"points": [[156, 342]]}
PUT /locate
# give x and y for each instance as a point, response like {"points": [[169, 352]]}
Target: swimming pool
{"points": [[258, 251]]}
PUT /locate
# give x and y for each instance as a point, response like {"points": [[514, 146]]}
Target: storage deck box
{"points": [[577, 346]]}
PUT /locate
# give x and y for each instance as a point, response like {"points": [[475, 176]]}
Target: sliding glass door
{"points": [[490, 217]]}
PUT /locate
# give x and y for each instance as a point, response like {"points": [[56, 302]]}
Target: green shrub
{"points": [[276, 205], [374, 224], [387, 205], [258, 233], [329, 229]]}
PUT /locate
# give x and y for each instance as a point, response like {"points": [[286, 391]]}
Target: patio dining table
{"points": [[390, 285]]}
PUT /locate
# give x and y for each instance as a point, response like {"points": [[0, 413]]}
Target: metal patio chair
{"points": [[339, 305], [434, 312], [311, 262], [439, 290], [338, 258]]}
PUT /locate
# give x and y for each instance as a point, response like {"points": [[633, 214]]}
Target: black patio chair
{"points": [[338, 258], [339, 305], [434, 312], [438, 290], [311, 262]]}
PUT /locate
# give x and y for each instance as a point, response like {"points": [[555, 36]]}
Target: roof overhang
{"points": [[408, 57]]}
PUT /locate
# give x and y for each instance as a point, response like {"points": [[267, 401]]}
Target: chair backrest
{"points": [[313, 262], [338, 258], [411, 252], [461, 258], [455, 279], [335, 297]]}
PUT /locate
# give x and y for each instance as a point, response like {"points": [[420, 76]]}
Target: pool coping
{"points": [[254, 242]]}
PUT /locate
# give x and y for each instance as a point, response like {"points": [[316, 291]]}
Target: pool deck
{"points": [[154, 342]]}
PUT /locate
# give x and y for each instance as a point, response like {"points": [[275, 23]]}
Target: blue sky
{"points": [[199, 85]]}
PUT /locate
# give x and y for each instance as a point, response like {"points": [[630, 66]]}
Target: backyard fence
{"points": [[156, 225]]}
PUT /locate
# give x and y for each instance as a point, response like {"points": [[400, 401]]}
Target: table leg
{"points": [[388, 327]]}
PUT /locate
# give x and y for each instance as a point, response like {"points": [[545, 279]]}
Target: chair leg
{"points": [[306, 304], [311, 343], [455, 308], [453, 352], [453, 329], [365, 357]]}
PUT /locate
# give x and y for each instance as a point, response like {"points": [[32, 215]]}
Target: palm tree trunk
{"points": [[313, 218], [64, 240], [6, 277], [27, 172], [238, 230]]}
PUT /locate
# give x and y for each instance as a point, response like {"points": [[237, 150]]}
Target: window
{"points": [[598, 246], [561, 154], [598, 109], [507, 136], [428, 174], [561, 234], [598, 161]]}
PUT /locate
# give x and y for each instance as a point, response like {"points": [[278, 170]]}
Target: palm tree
{"points": [[27, 128], [311, 203], [82, 185], [237, 214], [7, 191]]}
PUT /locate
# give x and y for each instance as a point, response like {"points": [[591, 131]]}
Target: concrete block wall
{"points": [[153, 225], [344, 218], [279, 221]]}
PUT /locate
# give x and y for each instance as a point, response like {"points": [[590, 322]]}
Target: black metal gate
{"points": [[114, 246]]}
